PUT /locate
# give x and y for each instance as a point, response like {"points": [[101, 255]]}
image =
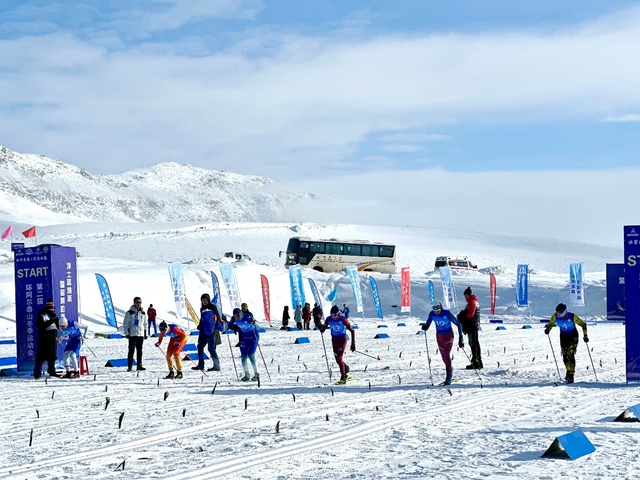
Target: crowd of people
{"points": [[137, 323]]}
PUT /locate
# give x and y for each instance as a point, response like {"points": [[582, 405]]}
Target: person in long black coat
{"points": [[47, 323]]}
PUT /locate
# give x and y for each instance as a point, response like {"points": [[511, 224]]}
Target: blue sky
{"points": [[335, 93]]}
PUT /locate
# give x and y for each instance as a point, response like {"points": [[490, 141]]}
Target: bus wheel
{"points": [[318, 269]]}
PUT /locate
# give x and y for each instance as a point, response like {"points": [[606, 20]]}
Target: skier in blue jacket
{"points": [[74, 338], [244, 325], [209, 323], [444, 335]]}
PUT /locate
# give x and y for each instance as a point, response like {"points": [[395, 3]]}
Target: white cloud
{"points": [[399, 147], [630, 117], [416, 137]]}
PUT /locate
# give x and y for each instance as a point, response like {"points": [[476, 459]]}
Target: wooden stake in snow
{"points": [[332, 392], [166, 395], [106, 387], [278, 427], [327, 417], [31, 438], [107, 402], [38, 412], [120, 420], [365, 367], [214, 388], [121, 466], [184, 412], [52, 394], [294, 397], [377, 410], [246, 403]]}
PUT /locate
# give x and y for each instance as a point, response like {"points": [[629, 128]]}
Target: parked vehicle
{"points": [[455, 263], [237, 255]]}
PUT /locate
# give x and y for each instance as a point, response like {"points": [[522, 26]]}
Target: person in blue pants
{"points": [[245, 327], [209, 323]]}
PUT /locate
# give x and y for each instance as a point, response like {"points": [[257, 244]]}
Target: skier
{"points": [[245, 327], [569, 337], [345, 311], [178, 339], [71, 353], [209, 323], [338, 325], [47, 325], [444, 335], [470, 321]]}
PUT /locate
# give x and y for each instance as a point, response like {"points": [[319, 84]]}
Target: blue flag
{"points": [[432, 294], [522, 286], [217, 297], [316, 295], [297, 287], [106, 300], [576, 285], [376, 296], [229, 279], [333, 295]]}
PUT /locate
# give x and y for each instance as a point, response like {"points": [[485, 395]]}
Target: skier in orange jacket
{"points": [[178, 339]]}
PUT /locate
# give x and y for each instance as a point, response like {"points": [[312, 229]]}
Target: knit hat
{"points": [[467, 291], [163, 325], [205, 295], [237, 311], [561, 308], [335, 309], [436, 306]]}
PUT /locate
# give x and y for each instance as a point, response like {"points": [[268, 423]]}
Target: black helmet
{"points": [[163, 325], [335, 309]]}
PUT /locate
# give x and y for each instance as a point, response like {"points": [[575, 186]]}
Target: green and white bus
{"points": [[334, 255]]}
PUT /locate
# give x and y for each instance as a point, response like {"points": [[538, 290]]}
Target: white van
{"points": [[237, 255], [456, 263]]}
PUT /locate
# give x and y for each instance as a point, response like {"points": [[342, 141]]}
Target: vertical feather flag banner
{"points": [[448, 289], [522, 286], [175, 274], [576, 285], [492, 292], [109, 314], [192, 312], [333, 295], [432, 293], [229, 279], [405, 286], [266, 300], [354, 278], [217, 296], [297, 287], [376, 296], [8, 232], [314, 290]]}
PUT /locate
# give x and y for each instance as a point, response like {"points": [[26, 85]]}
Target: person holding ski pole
{"points": [[569, 337], [444, 335], [177, 341], [74, 338], [209, 323], [338, 325], [244, 325]]}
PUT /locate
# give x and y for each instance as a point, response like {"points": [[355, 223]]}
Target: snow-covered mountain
{"points": [[162, 192]]}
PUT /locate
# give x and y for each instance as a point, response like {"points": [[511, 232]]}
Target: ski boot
{"points": [[75, 374], [256, 377], [343, 380], [171, 375], [68, 374], [569, 377], [246, 378], [213, 369], [178, 375], [447, 381], [198, 367]]}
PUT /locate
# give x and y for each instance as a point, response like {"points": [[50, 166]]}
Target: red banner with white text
{"points": [[405, 277], [492, 292]]}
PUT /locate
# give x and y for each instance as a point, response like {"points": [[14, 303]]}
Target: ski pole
{"points": [[554, 358], [475, 369], [85, 344], [232, 357], [193, 361], [325, 355], [367, 355], [590, 358], [264, 361], [428, 356]]}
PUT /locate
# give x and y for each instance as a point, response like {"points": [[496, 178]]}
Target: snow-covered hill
{"points": [[63, 193]]}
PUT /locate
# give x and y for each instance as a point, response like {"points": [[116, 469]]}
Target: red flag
{"points": [[30, 233], [492, 292], [265, 298], [8, 232], [405, 277]]}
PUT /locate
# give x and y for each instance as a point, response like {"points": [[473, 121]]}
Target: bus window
{"points": [[386, 251], [293, 245], [317, 247], [333, 249], [370, 251], [350, 249]]}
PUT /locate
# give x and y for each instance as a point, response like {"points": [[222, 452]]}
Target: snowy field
{"points": [[391, 422]]}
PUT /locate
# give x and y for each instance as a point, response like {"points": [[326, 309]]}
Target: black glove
{"points": [[546, 331], [322, 328], [353, 346], [460, 342], [425, 327], [586, 339]]}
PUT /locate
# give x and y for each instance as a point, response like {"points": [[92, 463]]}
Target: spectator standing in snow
{"points": [[246, 328], [209, 323], [245, 311], [444, 335], [151, 317], [74, 338], [338, 326], [569, 336], [317, 315], [134, 326], [47, 323], [177, 341], [345, 311], [297, 316], [306, 316], [285, 318], [470, 320]]}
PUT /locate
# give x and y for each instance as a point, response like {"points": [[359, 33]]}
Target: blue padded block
{"points": [[114, 335], [631, 414], [302, 340], [495, 320], [501, 327], [382, 325], [355, 327], [479, 329], [7, 342], [572, 445], [118, 362], [8, 361], [381, 335], [194, 356], [294, 329], [190, 347], [229, 332], [526, 326], [13, 372], [261, 329], [402, 324], [195, 333]]}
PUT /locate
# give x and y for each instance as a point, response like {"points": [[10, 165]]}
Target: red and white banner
{"points": [[492, 292], [405, 277], [265, 298]]}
